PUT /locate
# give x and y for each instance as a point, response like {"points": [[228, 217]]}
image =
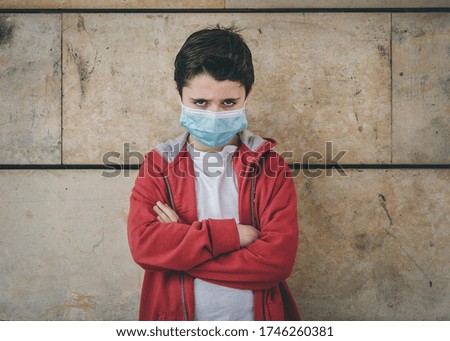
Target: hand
{"points": [[247, 234], [165, 213]]}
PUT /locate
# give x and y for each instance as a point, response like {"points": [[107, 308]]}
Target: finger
{"points": [[173, 216], [161, 220], [170, 214], [161, 214], [164, 209]]}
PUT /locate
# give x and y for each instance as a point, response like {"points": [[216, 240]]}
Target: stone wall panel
{"points": [[319, 77], [421, 88], [30, 88], [110, 4], [342, 4], [63, 247], [373, 246]]}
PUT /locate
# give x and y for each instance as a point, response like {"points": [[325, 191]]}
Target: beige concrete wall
{"points": [[421, 88], [117, 4], [374, 246], [328, 76], [30, 83], [174, 4], [74, 86], [336, 3], [63, 247]]}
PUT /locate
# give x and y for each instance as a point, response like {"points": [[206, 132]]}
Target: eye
{"points": [[200, 103], [229, 103]]}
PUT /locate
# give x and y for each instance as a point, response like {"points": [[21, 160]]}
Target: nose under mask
{"points": [[210, 128]]}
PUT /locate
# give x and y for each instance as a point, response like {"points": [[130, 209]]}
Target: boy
{"points": [[213, 213]]}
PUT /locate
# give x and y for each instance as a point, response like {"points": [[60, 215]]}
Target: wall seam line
{"points": [[227, 10], [62, 89], [294, 165], [391, 85]]}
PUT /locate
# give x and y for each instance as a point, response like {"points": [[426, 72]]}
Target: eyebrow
{"points": [[208, 100]]}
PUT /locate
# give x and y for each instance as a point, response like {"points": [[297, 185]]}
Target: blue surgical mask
{"points": [[210, 128]]}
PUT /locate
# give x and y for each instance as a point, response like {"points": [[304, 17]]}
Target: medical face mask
{"points": [[210, 128]]}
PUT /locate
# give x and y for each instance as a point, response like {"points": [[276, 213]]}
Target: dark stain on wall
{"points": [[80, 24], [83, 67], [444, 84], [6, 30], [382, 200], [382, 51], [362, 241]]}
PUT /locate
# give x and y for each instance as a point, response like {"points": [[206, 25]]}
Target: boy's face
{"points": [[204, 92]]}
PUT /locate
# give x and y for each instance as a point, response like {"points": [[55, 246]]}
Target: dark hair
{"points": [[220, 52]]}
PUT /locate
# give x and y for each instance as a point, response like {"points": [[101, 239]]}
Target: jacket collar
{"points": [[251, 148]]}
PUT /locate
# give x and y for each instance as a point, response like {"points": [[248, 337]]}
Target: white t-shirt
{"points": [[216, 191]]}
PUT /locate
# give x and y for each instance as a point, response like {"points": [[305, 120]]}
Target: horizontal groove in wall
{"points": [[228, 10], [292, 166], [370, 166]]}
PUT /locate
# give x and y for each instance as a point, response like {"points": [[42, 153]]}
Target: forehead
{"points": [[206, 87]]}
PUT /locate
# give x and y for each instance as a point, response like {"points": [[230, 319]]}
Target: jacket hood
{"points": [[252, 145]]}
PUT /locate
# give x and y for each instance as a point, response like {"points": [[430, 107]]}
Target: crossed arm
{"points": [[247, 234], [216, 250]]}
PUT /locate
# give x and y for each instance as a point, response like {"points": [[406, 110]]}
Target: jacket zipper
{"points": [[172, 204], [252, 198], [254, 223], [169, 192], [183, 301]]}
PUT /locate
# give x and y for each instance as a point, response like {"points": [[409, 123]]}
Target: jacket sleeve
{"points": [[172, 246], [269, 259]]}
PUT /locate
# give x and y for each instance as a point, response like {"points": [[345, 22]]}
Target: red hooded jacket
{"points": [[173, 254]]}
